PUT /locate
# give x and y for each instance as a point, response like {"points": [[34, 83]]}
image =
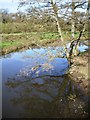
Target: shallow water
{"points": [[35, 85]]}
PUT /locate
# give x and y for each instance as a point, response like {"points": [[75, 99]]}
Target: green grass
{"points": [[49, 35], [13, 41], [8, 44]]}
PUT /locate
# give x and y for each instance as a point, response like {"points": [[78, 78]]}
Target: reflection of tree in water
{"points": [[54, 97]]}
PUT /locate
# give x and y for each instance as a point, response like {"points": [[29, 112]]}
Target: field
{"points": [[16, 41]]}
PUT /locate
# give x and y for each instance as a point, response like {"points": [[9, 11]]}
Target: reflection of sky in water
{"points": [[19, 65], [41, 52], [34, 57], [83, 48]]}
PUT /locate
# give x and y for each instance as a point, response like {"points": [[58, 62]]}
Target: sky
{"points": [[12, 5]]}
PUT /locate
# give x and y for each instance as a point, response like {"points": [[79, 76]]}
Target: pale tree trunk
{"points": [[55, 8], [73, 21], [88, 20]]}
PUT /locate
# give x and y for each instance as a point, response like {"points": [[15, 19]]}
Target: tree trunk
{"points": [[88, 20], [73, 47], [59, 29], [55, 9], [73, 20]]}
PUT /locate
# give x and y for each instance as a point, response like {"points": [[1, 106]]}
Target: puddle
{"points": [[35, 85]]}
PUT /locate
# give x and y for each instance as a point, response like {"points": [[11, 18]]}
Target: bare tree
{"points": [[5, 15], [74, 6], [56, 7], [53, 6], [72, 20]]}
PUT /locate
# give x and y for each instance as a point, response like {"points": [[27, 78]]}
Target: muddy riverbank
{"points": [[80, 70]]}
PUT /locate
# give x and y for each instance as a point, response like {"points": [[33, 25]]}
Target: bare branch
{"points": [[80, 4]]}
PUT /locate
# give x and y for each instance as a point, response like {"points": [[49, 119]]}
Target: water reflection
{"points": [[50, 97], [32, 86]]}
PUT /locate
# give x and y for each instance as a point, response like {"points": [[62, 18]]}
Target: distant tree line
{"points": [[48, 17]]}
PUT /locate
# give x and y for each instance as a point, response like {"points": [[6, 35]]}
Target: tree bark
{"points": [[55, 9], [73, 21], [73, 45]]}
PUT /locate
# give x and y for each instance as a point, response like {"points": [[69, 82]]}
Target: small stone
{"points": [[61, 100], [75, 111]]}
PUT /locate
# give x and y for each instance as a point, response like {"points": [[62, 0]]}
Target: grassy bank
{"points": [[16, 41]]}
